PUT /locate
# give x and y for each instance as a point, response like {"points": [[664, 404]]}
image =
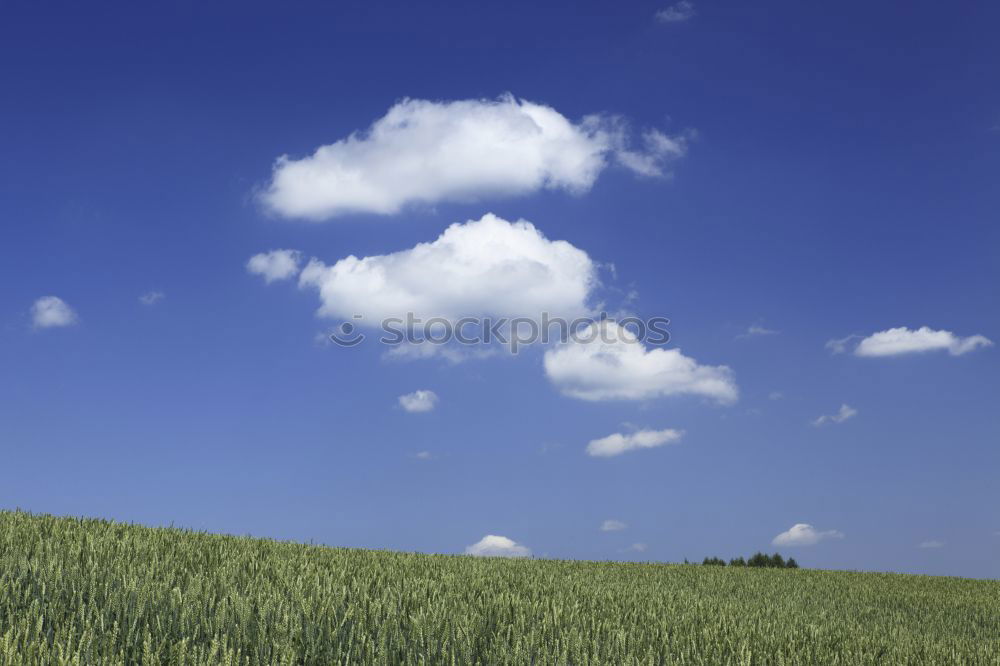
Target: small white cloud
{"points": [[840, 345], [803, 534], [658, 150], [756, 331], [497, 546], [775, 395], [617, 444], [275, 265], [419, 401], [931, 544], [844, 413], [637, 547], [152, 297], [607, 362], [676, 13], [52, 312], [423, 455], [902, 340], [418, 351], [612, 526], [424, 152]]}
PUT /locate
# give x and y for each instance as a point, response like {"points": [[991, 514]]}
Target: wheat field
{"points": [[81, 591]]}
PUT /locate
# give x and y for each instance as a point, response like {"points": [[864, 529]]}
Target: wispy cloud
{"points": [[756, 331], [676, 13], [152, 297], [618, 443], [844, 413], [931, 544], [612, 526], [840, 345]]}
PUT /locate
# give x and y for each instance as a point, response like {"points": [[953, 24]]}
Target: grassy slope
{"points": [[97, 592]]}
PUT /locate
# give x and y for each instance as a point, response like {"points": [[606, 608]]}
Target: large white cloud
{"points": [[484, 267], [423, 400], [903, 340], [52, 312], [609, 363], [275, 265], [804, 534], [497, 546], [424, 152], [618, 443]]}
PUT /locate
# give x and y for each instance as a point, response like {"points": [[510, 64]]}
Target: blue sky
{"points": [[821, 172]]}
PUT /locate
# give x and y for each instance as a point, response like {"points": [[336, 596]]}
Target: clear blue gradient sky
{"points": [[844, 180]]}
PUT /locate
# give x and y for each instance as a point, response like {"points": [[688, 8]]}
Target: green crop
{"points": [[96, 592]]}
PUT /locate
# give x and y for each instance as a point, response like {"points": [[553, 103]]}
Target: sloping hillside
{"points": [[96, 592]]}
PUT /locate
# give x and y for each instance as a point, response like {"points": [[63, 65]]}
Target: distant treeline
{"points": [[775, 561]]}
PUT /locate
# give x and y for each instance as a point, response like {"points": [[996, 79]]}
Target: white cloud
{"points": [[839, 345], [775, 395], [52, 312], [497, 546], [931, 544], [423, 455], [757, 331], [425, 152], [803, 534], [617, 444], [677, 13], [612, 526], [152, 297], [275, 265], [449, 352], [844, 413], [637, 547], [658, 148], [419, 401], [483, 267], [609, 363], [903, 340]]}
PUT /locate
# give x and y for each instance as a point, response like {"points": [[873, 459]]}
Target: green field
{"points": [[96, 592]]}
